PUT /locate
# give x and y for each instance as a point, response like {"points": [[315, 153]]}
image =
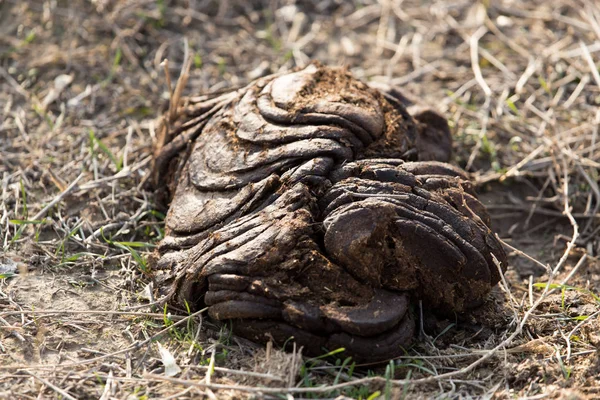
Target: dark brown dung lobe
{"points": [[310, 205]]}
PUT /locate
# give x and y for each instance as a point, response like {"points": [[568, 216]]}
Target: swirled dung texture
{"points": [[310, 205]]}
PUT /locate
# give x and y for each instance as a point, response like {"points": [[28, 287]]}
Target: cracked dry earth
{"points": [[311, 205]]}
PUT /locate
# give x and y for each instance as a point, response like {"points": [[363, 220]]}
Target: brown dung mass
{"points": [[311, 205]]}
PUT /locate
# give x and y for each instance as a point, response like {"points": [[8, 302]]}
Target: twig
{"points": [[236, 372], [18, 88], [58, 198], [180, 85], [577, 327], [13, 332], [52, 386], [473, 43], [592, 65]]}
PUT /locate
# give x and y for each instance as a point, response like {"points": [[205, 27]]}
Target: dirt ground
{"points": [[82, 83]]}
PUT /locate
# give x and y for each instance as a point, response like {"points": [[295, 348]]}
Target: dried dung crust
{"points": [[310, 205]]}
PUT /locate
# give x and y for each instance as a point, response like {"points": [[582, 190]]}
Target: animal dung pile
{"points": [[311, 205]]}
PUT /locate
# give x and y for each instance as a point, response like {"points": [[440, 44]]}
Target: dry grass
{"points": [[81, 85]]}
